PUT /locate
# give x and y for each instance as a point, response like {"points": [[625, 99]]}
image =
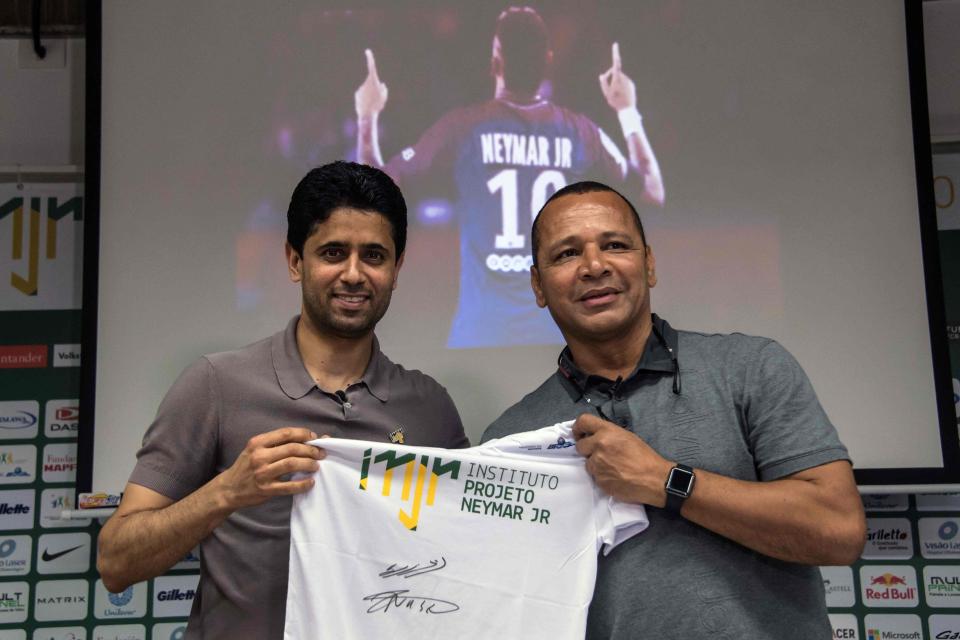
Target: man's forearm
{"points": [[368, 141], [644, 163], [792, 519], [139, 545]]}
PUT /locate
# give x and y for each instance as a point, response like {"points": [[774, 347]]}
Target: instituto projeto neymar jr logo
{"points": [[412, 490], [41, 244]]}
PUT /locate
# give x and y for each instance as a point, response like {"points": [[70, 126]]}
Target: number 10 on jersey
{"points": [[506, 182]]}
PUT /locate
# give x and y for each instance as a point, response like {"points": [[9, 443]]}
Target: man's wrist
{"points": [[679, 485], [630, 121]]}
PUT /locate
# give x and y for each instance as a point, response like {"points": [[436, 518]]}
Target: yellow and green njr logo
{"points": [[26, 226], [413, 488]]}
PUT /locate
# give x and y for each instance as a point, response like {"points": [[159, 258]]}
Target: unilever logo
{"points": [[7, 547], [948, 530], [179, 633], [122, 598], [25, 419]]}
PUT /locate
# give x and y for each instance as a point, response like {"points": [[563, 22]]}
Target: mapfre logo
{"points": [[19, 419], [414, 489], [42, 230], [60, 462], [889, 586]]}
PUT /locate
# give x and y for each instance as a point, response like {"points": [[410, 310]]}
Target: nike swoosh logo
{"points": [[47, 556]]}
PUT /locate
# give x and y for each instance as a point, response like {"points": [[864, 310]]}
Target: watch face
{"points": [[679, 481]]}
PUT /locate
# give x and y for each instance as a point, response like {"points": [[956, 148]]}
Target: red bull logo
{"points": [[890, 589]]}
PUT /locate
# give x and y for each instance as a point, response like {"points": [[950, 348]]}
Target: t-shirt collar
{"points": [[655, 358], [295, 380]]}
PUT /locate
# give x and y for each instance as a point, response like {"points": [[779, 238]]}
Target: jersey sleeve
{"points": [[610, 165], [179, 449], [787, 429], [433, 153], [616, 521]]}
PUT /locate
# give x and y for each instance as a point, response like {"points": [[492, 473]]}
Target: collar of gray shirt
{"points": [[655, 358], [296, 381]]}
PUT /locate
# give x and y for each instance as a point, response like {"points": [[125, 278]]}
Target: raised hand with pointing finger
{"points": [[371, 97], [617, 87]]}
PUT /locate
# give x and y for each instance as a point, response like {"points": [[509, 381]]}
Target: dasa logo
{"points": [[7, 547], [67, 413], [29, 284], [561, 443], [19, 420], [122, 598], [948, 530], [422, 468]]}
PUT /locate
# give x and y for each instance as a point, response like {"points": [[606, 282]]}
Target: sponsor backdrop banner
{"points": [[49, 587], [905, 586]]}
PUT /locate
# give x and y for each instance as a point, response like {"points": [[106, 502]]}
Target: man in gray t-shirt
{"points": [[721, 435], [215, 464]]}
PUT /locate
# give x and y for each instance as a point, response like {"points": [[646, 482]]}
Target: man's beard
{"points": [[343, 325]]}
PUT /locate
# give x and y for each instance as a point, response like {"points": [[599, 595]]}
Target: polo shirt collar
{"points": [[655, 358], [295, 380]]}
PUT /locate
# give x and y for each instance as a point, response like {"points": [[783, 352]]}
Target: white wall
{"points": [[41, 110], [941, 24]]}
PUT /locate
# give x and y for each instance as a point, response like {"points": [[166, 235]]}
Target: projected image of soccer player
{"points": [[505, 157]]}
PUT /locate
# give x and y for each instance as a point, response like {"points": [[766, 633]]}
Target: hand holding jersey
{"points": [[621, 463], [259, 472]]}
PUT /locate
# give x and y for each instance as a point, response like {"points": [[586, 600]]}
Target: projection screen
{"points": [[785, 134]]}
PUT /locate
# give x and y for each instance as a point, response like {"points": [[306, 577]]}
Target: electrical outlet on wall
{"points": [[56, 57]]}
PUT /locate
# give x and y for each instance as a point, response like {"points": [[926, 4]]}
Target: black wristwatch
{"points": [[679, 486]]}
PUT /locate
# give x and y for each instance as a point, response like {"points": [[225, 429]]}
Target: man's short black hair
{"points": [[524, 44], [579, 188], [345, 184]]}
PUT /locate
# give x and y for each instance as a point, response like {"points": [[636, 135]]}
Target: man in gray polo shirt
{"points": [[721, 435], [214, 467]]}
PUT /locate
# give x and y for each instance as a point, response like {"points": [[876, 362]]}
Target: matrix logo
{"points": [[423, 468], [27, 251]]}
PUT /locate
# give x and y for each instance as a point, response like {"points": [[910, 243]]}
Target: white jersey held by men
{"points": [[496, 541]]}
